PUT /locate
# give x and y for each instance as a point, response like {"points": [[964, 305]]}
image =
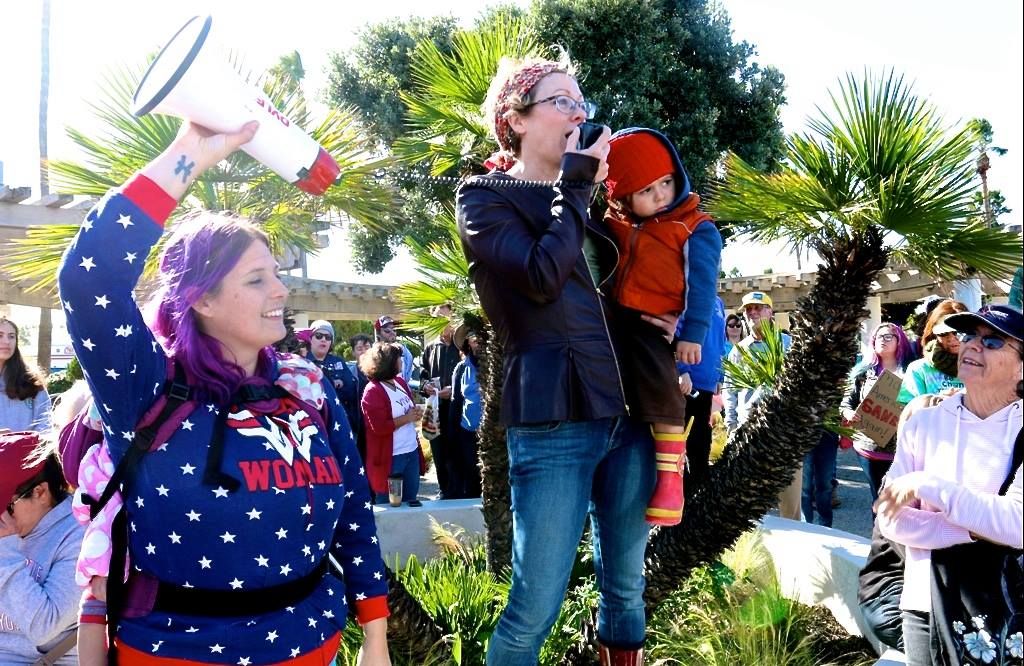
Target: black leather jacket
{"points": [[524, 246]]}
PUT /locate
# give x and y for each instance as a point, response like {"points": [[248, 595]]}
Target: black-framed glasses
{"points": [[991, 341], [568, 105], [322, 336], [885, 337], [23, 495]]}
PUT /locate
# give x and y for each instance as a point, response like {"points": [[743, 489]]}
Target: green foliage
{"points": [[880, 158], [759, 367], [58, 382], [733, 613], [672, 66]]}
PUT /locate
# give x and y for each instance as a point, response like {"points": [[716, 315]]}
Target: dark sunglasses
{"points": [[10, 507], [734, 325], [991, 342], [321, 336]]}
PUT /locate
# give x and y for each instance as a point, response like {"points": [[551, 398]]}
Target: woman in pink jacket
{"points": [[390, 415], [944, 486]]}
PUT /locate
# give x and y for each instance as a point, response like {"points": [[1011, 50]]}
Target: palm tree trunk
{"points": [[763, 453], [44, 103], [493, 453], [412, 633]]}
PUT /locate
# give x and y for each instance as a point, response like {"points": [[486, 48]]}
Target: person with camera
{"points": [[573, 450]]}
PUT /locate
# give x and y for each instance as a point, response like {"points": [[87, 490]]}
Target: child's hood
{"points": [[682, 177]]}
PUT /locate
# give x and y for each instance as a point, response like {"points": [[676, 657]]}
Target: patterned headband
{"points": [[520, 83]]}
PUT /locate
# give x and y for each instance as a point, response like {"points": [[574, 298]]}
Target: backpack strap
{"points": [[176, 393], [1015, 463]]}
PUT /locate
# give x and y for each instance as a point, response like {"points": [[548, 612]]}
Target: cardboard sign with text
{"points": [[879, 412]]}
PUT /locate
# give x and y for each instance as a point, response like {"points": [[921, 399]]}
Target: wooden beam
{"points": [[14, 194]]}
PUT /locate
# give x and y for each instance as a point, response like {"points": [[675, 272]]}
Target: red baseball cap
{"points": [[15, 449]]}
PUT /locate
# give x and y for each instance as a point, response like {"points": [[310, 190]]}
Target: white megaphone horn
{"points": [[190, 81]]}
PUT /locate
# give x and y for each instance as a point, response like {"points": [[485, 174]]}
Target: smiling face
{"points": [[542, 128], [756, 314], [654, 198], [997, 369], [246, 311], [8, 342]]}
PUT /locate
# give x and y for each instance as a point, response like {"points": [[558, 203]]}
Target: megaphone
{"points": [[190, 81]]}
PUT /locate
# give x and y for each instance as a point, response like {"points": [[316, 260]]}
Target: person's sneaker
{"points": [[415, 503], [836, 502]]}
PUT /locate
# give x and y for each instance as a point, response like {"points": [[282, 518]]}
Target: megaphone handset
{"points": [[190, 80]]}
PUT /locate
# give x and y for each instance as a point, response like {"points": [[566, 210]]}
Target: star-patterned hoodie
{"points": [[302, 494]]}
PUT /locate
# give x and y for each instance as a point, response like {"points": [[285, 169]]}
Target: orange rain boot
{"points": [[666, 504]]}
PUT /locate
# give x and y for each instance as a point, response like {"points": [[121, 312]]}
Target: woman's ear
{"points": [[517, 122], [203, 306]]}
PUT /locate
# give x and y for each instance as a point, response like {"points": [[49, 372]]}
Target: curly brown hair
{"points": [[382, 362], [21, 382]]}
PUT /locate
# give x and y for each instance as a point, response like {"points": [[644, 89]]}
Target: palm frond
{"points": [[759, 367], [879, 157]]}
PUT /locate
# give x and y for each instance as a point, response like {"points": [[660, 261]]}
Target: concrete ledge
{"points": [[405, 530]]}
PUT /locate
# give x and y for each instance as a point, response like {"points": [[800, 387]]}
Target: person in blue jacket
{"points": [[699, 383], [235, 517], [334, 368]]}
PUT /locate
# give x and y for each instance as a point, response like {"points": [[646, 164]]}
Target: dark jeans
{"points": [[407, 466], [884, 617], [817, 488], [917, 638], [698, 444], [875, 470]]}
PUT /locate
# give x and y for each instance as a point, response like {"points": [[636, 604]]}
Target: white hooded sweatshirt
{"points": [[961, 460]]}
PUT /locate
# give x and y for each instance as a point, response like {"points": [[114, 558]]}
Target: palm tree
{"points": [[239, 184], [878, 177], [44, 339]]}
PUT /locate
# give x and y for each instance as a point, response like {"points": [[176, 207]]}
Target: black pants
{"points": [[698, 444], [465, 471], [440, 450]]}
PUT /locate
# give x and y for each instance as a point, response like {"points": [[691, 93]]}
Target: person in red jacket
{"points": [[390, 416], [669, 254]]}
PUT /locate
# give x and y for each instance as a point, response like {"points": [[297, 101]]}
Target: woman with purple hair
{"points": [[234, 513], [892, 351]]}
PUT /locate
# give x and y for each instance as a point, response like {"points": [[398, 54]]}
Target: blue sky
{"points": [[965, 57]]}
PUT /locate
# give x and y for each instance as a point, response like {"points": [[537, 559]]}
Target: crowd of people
{"points": [[210, 498]]}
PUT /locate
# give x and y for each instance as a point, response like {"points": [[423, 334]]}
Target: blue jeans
{"points": [[875, 470], [883, 615], [819, 466], [559, 472], [407, 466], [917, 638]]}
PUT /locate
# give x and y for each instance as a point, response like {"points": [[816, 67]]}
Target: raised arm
{"points": [[122, 361]]}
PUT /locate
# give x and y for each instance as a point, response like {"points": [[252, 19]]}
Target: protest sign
{"points": [[879, 411]]}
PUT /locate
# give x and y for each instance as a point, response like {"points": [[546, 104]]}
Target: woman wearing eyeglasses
{"points": [[936, 371], [39, 544], [535, 257], [733, 333], [947, 485], [890, 350]]}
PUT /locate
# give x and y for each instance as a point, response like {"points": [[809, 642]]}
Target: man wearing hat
{"points": [[334, 368], [384, 329], [757, 309]]}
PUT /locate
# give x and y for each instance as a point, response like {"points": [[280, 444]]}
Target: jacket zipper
{"points": [[604, 320]]}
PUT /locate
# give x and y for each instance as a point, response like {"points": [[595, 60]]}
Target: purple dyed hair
{"points": [[904, 351], [197, 256]]}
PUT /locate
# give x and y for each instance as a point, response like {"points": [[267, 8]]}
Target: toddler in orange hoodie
{"points": [[669, 256]]}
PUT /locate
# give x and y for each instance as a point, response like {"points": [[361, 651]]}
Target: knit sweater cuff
{"points": [[371, 609], [150, 197]]}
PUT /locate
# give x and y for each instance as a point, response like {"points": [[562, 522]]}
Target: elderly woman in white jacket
{"points": [[951, 459]]}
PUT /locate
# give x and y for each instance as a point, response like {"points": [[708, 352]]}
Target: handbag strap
{"points": [[57, 651], [1018, 458]]}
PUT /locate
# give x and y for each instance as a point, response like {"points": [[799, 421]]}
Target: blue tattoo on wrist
{"points": [[184, 169]]}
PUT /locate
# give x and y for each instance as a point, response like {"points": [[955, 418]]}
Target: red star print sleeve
{"points": [[355, 546], [123, 363]]}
